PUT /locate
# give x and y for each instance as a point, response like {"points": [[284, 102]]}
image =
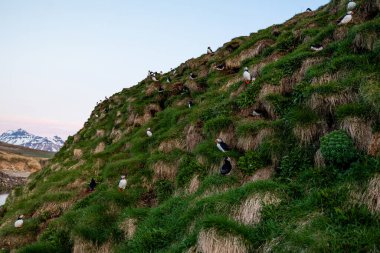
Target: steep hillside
{"points": [[304, 138]]}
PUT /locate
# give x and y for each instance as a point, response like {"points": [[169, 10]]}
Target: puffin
{"points": [[92, 185], [190, 103], [316, 47], [209, 50], [345, 19], [227, 167], [193, 76], [19, 222], [220, 67], [168, 80], [222, 146], [351, 5], [308, 10], [173, 71], [256, 114], [154, 78], [122, 183], [246, 76], [149, 132]]}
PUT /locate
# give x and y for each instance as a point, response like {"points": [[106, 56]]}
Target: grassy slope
{"points": [[315, 208]]}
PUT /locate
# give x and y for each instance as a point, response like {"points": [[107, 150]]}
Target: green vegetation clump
{"points": [[338, 149]]}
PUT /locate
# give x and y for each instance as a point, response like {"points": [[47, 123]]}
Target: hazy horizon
{"points": [[60, 57]]}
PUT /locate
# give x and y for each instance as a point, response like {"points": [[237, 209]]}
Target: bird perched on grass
{"points": [[19, 222], [308, 10], [316, 47], [168, 79], [220, 67], [221, 145], [209, 50], [173, 71], [256, 114], [154, 78], [227, 167], [190, 103], [247, 76], [122, 183], [345, 19], [193, 76], [351, 5], [149, 132]]}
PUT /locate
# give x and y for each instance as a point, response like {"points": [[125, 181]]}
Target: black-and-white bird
{"points": [[154, 78], [193, 76], [220, 67], [209, 50], [227, 167], [351, 5], [149, 132], [160, 89], [246, 76], [221, 145], [308, 10], [190, 103], [173, 71], [316, 47], [345, 19], [19, 222], [168, 79]]}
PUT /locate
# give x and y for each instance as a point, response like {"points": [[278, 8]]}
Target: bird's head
{"points": [[148, 129], [350, 13], [218, 140], [245, 68]]}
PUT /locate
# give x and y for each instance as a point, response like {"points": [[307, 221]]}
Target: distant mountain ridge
{"points": [[23, 138]]}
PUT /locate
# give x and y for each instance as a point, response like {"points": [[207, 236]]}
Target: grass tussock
{"points": [[307, 134], [360, 131], [169, 145], [100, 147], [164, 170], [209, 241], [128, 227], [252, 142], [326, 104], [249, 212], [78, 153], [319, 161], [82, 246], [194, 185], [374, 147], [193, 137]]}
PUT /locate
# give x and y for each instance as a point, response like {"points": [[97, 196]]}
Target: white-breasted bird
{"points": [[193, 76], [168, 79], [316, 47], [122, 183], [221, 145], [190, 103], [345, 19], [19, 222], [220, 67], [209, 50], [351, 5], [256, 114], [149, 132], [246, 76], [154, 78]]}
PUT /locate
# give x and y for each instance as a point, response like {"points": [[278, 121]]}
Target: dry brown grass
{"points": [[52, 209], [193, 86], [260, 174], [309, 133], [230, 82], [193, 136], [364, 41], [249, 212], [228, 136], [256, 69], [152, 88], [77, 165], [360, 131], [252, 142], [374, 146], [128, 226], [170, 145], [340, 33], [16, 241], [326, 104], [209, 241], [100, 148], [164, 171], [370, 197], [241, 88], [14, 162], [194, 185], [235, 62], [78, 153], [326, 78], [116, 135], [319, 161], [268, 89], [100, 133], [83, 246], [268, 107]]}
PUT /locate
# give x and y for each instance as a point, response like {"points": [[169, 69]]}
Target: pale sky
{"points": [[59, 57]]}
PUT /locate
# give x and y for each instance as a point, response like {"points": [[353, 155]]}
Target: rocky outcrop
{"points": [[8, 182]]}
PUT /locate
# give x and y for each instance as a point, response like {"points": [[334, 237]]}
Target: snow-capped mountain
{"points": [[23, 138]]}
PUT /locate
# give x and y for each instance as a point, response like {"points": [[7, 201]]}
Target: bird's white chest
{"points": [[246, 75], [346, 19], [220, 147], [19, 223], [149, 133]]}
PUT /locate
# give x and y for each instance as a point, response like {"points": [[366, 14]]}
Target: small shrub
{"points": [[337, 148], [297, 160]]}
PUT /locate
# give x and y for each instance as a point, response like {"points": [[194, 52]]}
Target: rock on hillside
{"points": [[304, 140]]}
